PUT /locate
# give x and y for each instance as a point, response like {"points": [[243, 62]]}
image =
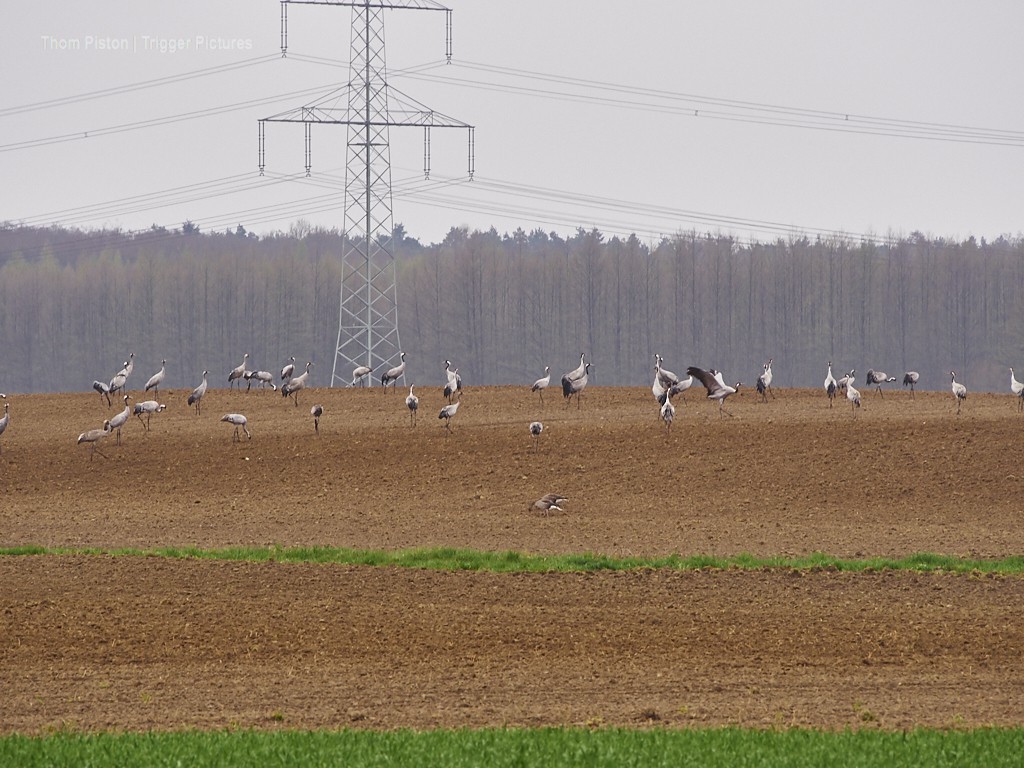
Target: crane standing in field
{"points": [[910, 379], [157, 378], [846, 380], [197, 395], [877, 379], [454, 381], [1017, 388], [535, 430], [239, 421], [295, 384], [238, 373], [668, 412], [393, 374], [830, 385], [92, 438], [541, 384], [448, 412], [120, 419], [413, 404], [576, 387], [852, 395], [288, 370], [148, 407], [316, 412], [104, 389], [359, 374], [959, 391], [571, 376], [764, 382]]}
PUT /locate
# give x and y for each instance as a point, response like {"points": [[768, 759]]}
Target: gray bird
{"points": [[548, 502], [448, 412], [92, 438], [316, 412], [148, 407], [157, 378], [412, 403], [120, 419], [715, 385], [542, 383], [240, 423], [393, 374], [197, 395], [238, 373]]}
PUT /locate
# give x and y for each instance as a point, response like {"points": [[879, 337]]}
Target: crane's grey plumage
{"points": [[959, 391], [548, 502], [668, 412], [657, 388], [412, 403], [877, 379], [239, 422], [1017, 388], [288, 370], [296, 384], [575, 386], [6, 417], [359, 374], [92, 438], [148, 407], [119, 379], [448, 412], [104, 389], [454, 381], [852, 395], [536, 428], [157, 378], [573, 375], [393, 374], [715, 385], [316, 412], [196, 397], [542, 383], [118, 420], [910, 379], [668, 379], [238, 372], [263, 377], [680, 387], [764, 382], [830, 385], [847, 379]]}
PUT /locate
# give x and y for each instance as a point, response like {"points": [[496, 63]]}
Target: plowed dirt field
{"points": [[132, 643]]}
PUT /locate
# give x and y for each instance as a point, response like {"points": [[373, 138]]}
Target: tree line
{"points": [[74, 304]]}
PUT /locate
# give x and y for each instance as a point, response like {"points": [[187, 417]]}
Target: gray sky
{"points": [[650, 118]]}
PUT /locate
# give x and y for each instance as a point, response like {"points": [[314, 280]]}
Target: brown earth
{"points": [[142, 642]]}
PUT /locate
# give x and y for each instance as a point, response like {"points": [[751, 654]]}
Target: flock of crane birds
{"points": [[666, 386]]}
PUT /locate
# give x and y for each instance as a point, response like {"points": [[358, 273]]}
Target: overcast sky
{"points": [[756, 118]]}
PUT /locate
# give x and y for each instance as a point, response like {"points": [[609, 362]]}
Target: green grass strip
{"points": [[451, 559], [501, 748]]}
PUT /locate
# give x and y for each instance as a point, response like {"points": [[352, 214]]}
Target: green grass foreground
{"points": [[450, 559], [514, 747]]}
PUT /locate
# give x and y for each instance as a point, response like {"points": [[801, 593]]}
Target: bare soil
{"points": [[133, 643]]}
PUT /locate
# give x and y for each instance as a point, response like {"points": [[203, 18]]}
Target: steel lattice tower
{"points": [[368, 315]]}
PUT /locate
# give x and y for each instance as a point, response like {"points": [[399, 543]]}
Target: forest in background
{"points": [[74, 304]]}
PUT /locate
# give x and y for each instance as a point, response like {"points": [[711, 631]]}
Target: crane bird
{"points": [[92, 437], [157, 378], [830, 385], [316, 412], [576, 386], [120, 419], [129, 365], [448, 412], [535, 429], [1018, 389], [657, 388], [119, 379], [412, 403], [571, 376], [959, 391], [668, 412], [680, 387], [667, 378], [7, 416], [542, 383], [263, 377], [238, 372], [148, 407], [852, 395], [240, 423], [359, 374], [715, 384], [910, 379], [845, 380], [878, 378], [548, 502], [764, 382], [393, 374], [295, 384], [454, 381], [104, 389], [197, 395], [288, 370]]}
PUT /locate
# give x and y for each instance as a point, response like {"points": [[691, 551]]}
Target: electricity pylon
{"points": [[368, 314]]}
